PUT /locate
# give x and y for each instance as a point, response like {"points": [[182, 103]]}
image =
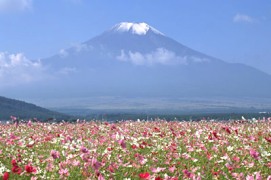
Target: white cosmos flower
{"points": [[229, 148]]}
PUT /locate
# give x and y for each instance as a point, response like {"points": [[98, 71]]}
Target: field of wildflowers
{"points": [[136, 150]]}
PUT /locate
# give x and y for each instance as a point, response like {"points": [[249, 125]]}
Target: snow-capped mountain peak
{"points": [[135, 28]]}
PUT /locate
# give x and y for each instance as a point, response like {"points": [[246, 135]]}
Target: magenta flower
{"points": [[145, 175], [95, 164], [188, 174], [84, 149], [30, 169], [227, 129], [122, 143], [254, 153], [268, 139], [55, 154], [5, 176]]}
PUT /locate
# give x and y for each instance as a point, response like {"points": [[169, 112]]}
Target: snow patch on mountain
{"points": [[135, 28]]}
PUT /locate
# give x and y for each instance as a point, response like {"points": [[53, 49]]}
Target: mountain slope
{"points": [[135, 59], [11, 107]]}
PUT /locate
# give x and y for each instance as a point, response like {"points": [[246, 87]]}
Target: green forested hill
{"points": [[11, 107]]}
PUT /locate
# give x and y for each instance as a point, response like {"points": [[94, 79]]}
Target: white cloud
{"points": [[14, 5], [159, 56], [81, 47], [75, 48], [17, 69], [243, 18], [63, 53], [67, 70]]}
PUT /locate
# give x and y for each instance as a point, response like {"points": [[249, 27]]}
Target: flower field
{"points": [[136, 150]]}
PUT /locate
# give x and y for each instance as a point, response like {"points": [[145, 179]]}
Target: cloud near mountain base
{"points": [[160, 56], [17, 69]]}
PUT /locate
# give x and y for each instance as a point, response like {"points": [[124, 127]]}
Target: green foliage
{"points": [[23, 110]]}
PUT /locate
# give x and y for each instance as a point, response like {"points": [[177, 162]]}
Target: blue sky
{"points": [[232, 30]]}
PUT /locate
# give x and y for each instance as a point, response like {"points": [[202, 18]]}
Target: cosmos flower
{"points": [[55, 154], [5, 176], [144, 175], [30, 169]]}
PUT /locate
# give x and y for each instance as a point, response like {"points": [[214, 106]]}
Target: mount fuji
{"points": [[137, 60]]}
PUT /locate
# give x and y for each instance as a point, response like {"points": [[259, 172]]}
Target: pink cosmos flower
{"points": [[172, 169], [188, 174], [250, 165], [157, 170], [214, 148], [111, 168], [254, 153], [258, 176], [85, 157], [95, 164], [55, 154], [190, 149], [76, 163], [236, 158], [238, 176], [229, 166], [50, 167], [100, 177], [123, 144], [29, 123], [64, 172], [268, 164], [250, 177]]}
